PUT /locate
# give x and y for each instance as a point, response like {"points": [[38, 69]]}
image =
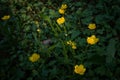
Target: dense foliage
{"points": [[59, 39]]}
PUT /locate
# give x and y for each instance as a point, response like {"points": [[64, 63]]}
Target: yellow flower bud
{"points": [[64, 6], [61, 11], [92, 26], [74, 47], [72, 44], [38, 30], [6, 17]]}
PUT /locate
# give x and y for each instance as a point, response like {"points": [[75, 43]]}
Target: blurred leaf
{"points": [[19, 74], [44, 72], [87, 20], [29, 78], [117, 72], [53, 72], [96, 59], [99, 19], [100, 31], [45, 17], [52, 13], [35, 72], [100, 70], [110, 52], [75, 34], [16, 74], [52, 63], [81, 42], [79, 12], [87, 13]]}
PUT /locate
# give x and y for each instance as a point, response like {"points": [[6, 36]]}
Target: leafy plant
{"points": [[39, 42]]}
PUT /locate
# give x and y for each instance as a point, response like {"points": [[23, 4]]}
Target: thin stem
{"points": [[64, 50], [53, 29], [58, 28]]}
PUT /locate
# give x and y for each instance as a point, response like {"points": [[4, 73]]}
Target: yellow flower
{"points": [[60, 20], [64, 6], [72, 44], [38, 30], [69, 42], [74, 47], [34, 57], [79, 69], [92, 26], [6, 17], [37, 23], [92, 40], [61, 11]]}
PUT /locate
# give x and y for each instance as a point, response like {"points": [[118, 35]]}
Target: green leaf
{"points": [[110, 52], [87, 20], [99, 19], [29, 78], [100, 70], [52, 13], [97, 59], [35, 72], [45, 17], [75, 34]]}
